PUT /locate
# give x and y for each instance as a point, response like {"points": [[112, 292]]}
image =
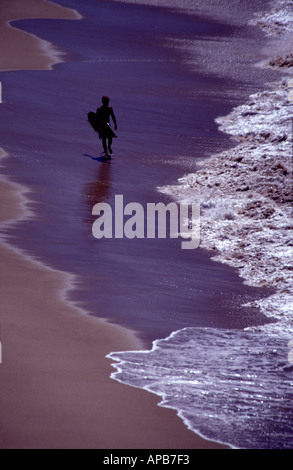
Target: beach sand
{"points": [[20, 50], [56, 391]]}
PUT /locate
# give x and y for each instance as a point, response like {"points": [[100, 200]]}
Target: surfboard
{"points": [[92, 120]]}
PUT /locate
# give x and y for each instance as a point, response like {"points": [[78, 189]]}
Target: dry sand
{"points": [[56, 390]]}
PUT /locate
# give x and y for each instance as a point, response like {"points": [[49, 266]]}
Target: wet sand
{"points": [[56, 390]]}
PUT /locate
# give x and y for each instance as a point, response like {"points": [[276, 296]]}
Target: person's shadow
{"points": [[101, 158]]}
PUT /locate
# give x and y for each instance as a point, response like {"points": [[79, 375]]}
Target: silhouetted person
{"points": [[103, 115]]}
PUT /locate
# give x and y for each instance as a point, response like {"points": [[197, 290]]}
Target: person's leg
{"points": [[104, 141], [110, 144]]}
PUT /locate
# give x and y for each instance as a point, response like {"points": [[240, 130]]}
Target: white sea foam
{"points": [[229, 386], [278, 20]]}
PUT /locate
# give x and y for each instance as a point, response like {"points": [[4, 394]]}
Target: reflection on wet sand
{"points": [[100, 189]]}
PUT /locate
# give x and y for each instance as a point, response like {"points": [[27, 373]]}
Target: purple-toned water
{"points": [[166, 112]]}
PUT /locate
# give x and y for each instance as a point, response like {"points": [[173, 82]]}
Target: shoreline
{"points": [[56, 387]]}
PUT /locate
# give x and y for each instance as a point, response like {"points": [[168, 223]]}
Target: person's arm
{"points": [[114, 118]]}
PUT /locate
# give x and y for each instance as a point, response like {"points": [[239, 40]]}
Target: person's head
{"points": [[105, 100]]}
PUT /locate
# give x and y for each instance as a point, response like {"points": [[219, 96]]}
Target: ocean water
{"points": [[229, 384], [232, 386]]}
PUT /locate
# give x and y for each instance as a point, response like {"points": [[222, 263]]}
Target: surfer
{"points": [[104, 130]]}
